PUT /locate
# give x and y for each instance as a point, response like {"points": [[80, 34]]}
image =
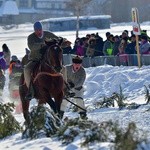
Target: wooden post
{"points": [[138, 51], [136, 31]]}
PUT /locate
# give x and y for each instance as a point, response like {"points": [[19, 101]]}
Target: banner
{"points": [[135, 22], [136, 31]]}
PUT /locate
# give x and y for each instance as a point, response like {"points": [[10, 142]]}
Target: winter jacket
{"points": [[90, 51], [7, 56], [144, 48], [77, 78], [108, 48], [130, 49], [80, 51], [35, 44], [115, 48], [2, 61], [15, 67]]}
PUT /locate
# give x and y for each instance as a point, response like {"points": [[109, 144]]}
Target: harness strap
{"points": [[46, 73]]}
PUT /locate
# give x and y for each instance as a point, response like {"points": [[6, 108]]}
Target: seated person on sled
{"points": [[15, 70], [75, 75], [37, 46], [15, 67]]}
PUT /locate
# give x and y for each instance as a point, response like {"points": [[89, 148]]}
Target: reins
{"points": [[73, 97], [46, 73], [74, 103], [47, 62]]}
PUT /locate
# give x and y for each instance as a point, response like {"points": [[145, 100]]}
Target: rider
{"points": [[36, 44], [75, 76]]}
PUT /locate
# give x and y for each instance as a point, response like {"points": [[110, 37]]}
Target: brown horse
{"points": [[47, 80]]}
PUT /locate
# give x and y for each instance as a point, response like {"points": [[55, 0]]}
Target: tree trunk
{"points": [[77, 26]]}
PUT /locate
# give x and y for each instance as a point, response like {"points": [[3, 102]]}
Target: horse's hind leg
{"points": [[58, 100], [52, 104], [47, 98], [27, 117]]}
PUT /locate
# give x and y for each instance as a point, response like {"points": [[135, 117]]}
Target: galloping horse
{"points": [[47, 80]]}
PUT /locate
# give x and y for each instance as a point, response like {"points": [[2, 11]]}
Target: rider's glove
{"points": [[71, 85], [78, 88]]}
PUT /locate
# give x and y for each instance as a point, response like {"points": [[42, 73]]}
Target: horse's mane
{"points": [[54, 41]]}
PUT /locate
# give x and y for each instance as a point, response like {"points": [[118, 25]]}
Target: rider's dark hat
{"points": [[77, 60], [37, 26]]}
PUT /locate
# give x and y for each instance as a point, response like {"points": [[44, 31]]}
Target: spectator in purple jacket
{"points": [[144, 45], [2, 62], [80, 48]]}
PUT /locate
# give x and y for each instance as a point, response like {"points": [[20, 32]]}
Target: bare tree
{"points": [[120, 10], [77, 7]]}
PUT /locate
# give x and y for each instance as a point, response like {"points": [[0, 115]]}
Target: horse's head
{"points": [[54, 54]]}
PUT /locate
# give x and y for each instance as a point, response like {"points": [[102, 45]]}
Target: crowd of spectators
{"points": [[115, 45]]}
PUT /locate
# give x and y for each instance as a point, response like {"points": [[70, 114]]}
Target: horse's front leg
{"points": [[27, 118]]}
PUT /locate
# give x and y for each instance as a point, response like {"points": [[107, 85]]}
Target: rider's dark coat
{"points": [[35, 44]]}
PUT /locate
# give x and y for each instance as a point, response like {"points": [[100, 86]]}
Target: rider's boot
{"points": [[30, 93]]}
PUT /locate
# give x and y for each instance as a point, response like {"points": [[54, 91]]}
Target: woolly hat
{"points": [[144, 37], [37, 26], [77, 60], [133, 35], [107, 34], [14, 58]]}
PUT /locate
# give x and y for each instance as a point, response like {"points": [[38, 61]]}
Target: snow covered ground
{"points": [[101, 81]]}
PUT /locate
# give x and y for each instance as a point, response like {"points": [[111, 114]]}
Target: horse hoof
{"points": [[66, 119], [61, 114], [28, 97], [83, 115]]}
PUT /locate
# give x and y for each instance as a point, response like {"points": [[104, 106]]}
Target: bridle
{"points": [[48, 62]]}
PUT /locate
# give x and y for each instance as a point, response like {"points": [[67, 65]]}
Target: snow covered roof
{"points": [[10, 8], [27, 10], [74, 18]]}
